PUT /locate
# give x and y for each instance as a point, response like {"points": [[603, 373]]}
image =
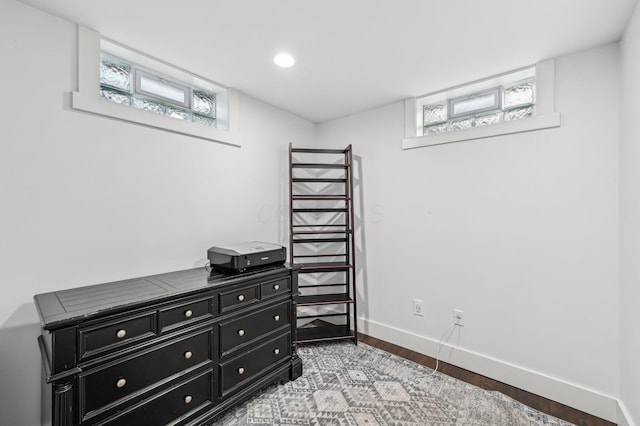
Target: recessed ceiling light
{"points": [[284, 60]]}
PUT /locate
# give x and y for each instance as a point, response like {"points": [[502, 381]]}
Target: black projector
{"points": [[241, 257]]}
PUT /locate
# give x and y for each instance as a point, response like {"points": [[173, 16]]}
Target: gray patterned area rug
{"points": [[344, 384]]}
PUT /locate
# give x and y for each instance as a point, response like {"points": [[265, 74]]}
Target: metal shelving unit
{"points": [[322, 242]]}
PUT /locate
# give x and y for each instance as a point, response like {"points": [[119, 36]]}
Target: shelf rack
{"points": [[322, 242]]}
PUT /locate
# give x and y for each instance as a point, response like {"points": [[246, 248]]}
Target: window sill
{"points": [[96, 105], [539, 122]]}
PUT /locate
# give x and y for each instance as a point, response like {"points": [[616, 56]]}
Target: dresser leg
{"points": [[296, 368], [63, 404]]}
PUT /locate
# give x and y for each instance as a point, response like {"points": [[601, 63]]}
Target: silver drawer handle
{"points": [[276, 351], [240, 333], [241, 297], [121, 333], [188, 399], [188, 313], [188, 355], [120, 383], [240, 370], [276, 287], [276, 318]]}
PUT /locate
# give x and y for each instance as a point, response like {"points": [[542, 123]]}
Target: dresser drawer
{"points": [[116, 333], [162, 409], [244, 368], [248, 327], [275, 287], [185, 313], [238, 298], [118, 380]]}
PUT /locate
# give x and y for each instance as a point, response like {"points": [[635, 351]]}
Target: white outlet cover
{"points": [[458, 317], [418, 308]]}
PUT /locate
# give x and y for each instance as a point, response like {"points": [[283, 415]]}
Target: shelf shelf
{"points": [[348, 231], [319, 151], [322, 333], [319, 165], [318, 316], [321, 285], [320, 210], [337, 225], [319, 240], [324, 267], [322, 180], [324, 299], [321, 197], [300, 256]]}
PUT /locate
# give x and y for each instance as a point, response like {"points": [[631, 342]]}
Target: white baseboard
{"points": [[578, 397], [624, 417]]}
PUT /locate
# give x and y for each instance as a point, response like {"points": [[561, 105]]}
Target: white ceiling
{"points": [[351, 55]]}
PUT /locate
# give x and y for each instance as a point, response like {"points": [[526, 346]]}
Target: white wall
{"points": [[518, 231], [87, 199], [629, 214]]}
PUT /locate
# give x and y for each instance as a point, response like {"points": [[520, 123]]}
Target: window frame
{"points": [[545, 115], [87, 97]]}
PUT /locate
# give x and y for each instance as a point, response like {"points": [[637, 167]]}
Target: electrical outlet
{"points": [[418, 308], [458, 317]]}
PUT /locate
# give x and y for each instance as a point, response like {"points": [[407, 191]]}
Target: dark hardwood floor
{"points": [[540, 403]]}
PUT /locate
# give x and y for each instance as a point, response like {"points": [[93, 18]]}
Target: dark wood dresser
{"points": [[176, 348]]}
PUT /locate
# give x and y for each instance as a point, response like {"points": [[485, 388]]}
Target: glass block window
{"points": [[512, 97], [435, 113], [126, 83]]}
